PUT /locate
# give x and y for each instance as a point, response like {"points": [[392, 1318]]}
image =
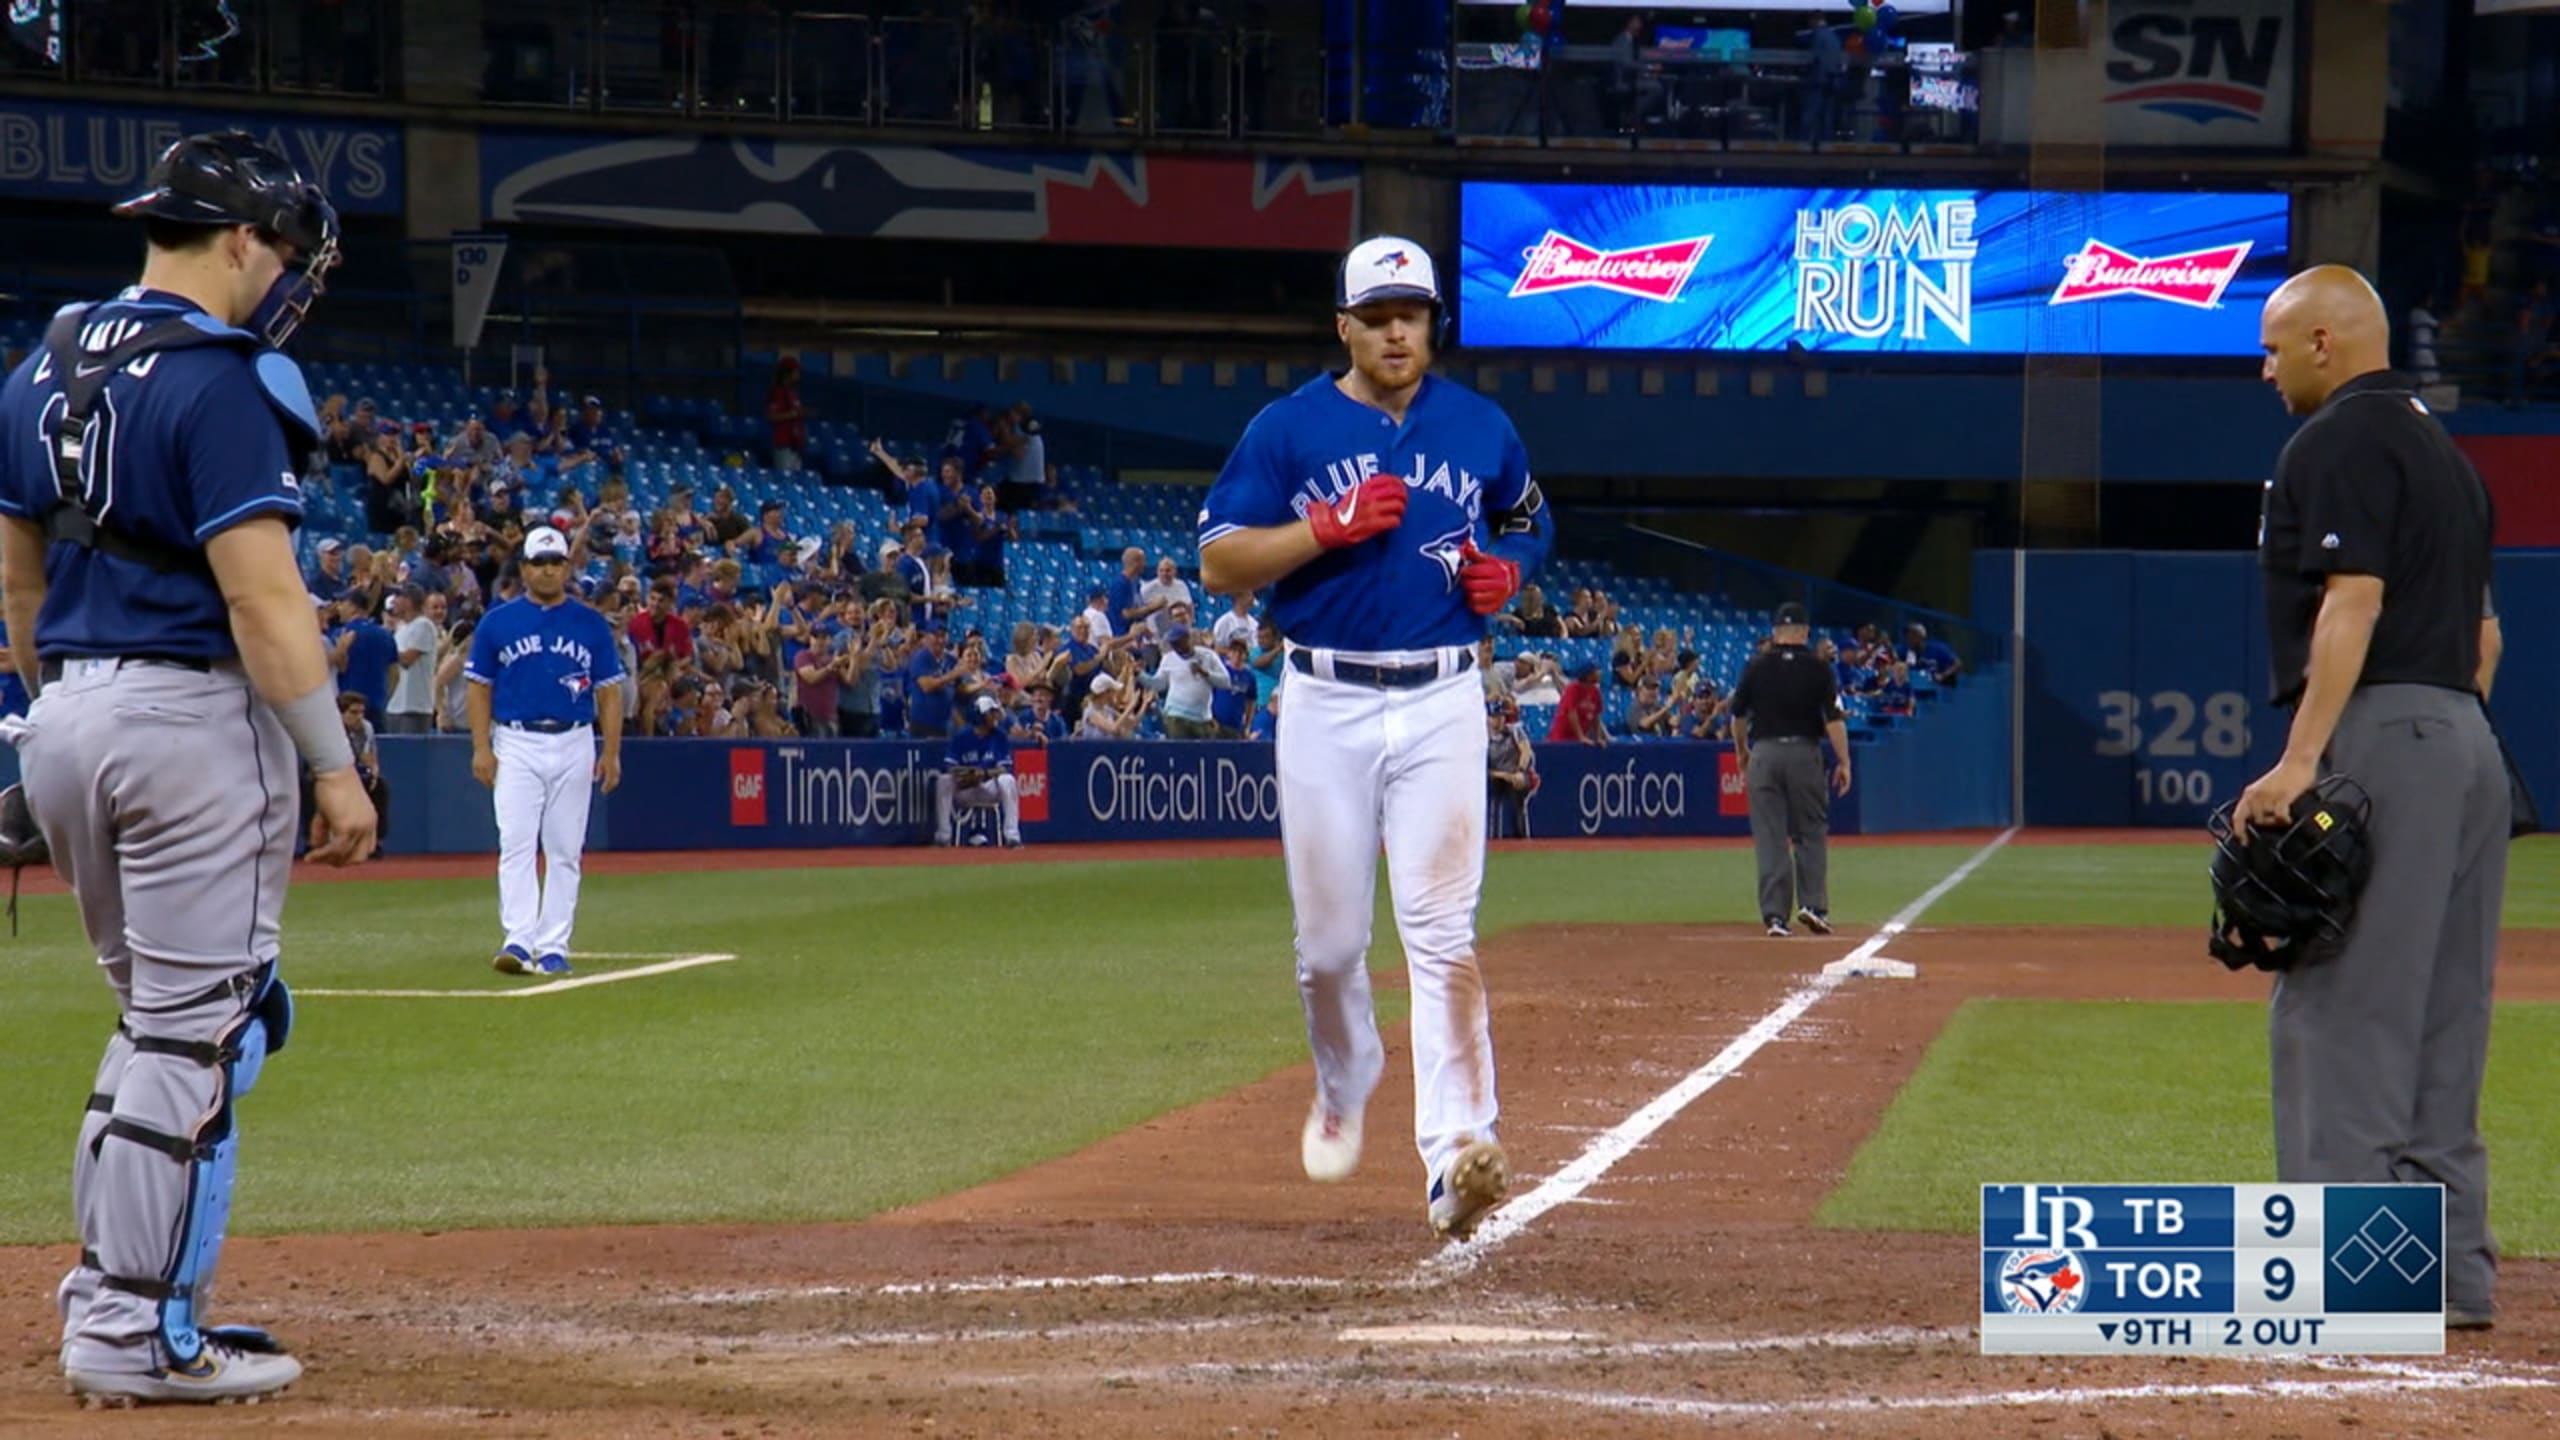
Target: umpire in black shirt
{"points": [[2376, 548], [1787, 701]]}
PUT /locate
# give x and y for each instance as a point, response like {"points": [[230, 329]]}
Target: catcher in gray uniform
{"points": [[147, 498]]}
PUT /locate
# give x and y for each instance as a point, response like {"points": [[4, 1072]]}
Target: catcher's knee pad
{"points": [[170, 1144]]}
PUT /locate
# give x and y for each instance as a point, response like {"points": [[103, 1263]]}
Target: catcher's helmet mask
{"points": [[2283, 898], [230, 177]]}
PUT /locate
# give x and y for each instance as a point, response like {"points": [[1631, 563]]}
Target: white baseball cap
{"points": [[1388, 267], [543, 542]]}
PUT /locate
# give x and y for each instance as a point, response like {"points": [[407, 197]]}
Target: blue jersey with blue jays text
{"points": [[185, 444], [543, 663], [1459, 458], [981, 752]]}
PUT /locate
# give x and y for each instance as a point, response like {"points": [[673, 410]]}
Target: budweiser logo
{"points": [[2196, 278], [1648, 272]]}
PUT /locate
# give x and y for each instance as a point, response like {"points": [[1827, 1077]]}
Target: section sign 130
{"points": [[1993, 272]]}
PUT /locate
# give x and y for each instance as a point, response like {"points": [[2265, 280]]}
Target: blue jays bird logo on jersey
{"points": [[578, 683], [1449, 551]]}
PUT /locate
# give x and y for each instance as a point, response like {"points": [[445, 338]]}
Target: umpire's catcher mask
{"points": [[2287, 895]]}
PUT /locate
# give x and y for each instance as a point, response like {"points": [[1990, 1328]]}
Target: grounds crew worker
{"points": [[1787, 701], [2376, 546]]}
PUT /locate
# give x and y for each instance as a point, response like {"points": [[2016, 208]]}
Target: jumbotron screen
{"points": [[1925, 272]]}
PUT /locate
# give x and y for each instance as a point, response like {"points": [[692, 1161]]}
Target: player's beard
{"points": [[1388, 378]]}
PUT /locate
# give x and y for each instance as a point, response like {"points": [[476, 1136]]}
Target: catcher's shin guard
{"points": [[164, 1160]]}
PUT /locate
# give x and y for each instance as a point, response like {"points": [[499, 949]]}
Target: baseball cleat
{"points": [[2458, 1318], [1474, 1181], [513, 961], [552, 965], [221, 1374], [1814, 921], [1778, 930], [1330, 1145]]}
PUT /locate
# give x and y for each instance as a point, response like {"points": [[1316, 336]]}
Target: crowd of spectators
{"points": [[1667, 692], [738, 624]]}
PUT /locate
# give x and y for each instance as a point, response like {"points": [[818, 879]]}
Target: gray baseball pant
{"points": [[168, 797], [2379, 1051], [1790, 803]]}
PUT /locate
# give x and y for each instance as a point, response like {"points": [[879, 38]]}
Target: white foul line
{"points": [[1621, 1140], [1975, 1399], [554, 987]]}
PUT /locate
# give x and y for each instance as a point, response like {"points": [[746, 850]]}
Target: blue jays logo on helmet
{"points": [[1388, 267]]}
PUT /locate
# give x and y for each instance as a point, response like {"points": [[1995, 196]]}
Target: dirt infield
{"points": [[1183, 1279]]}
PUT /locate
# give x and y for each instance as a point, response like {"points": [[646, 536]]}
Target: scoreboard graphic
{"points": [[2213, 1269]]}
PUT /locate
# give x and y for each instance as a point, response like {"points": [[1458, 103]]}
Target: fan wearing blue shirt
{"points": [[1040, 726], [981, 774], [1231, 704], [929, 675], [365, 654], [925, 499], [592, 434], [1933, 658]]}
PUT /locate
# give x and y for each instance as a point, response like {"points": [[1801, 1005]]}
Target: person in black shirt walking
{"points": [[2376, 546], [1787, 702]]}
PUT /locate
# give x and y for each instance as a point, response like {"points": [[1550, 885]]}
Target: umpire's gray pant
{"points": [[1789, 803], [2379, 1052]]}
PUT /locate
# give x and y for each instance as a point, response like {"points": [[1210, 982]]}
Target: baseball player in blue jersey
{"points": [[1392, 511], [147, 498], [981, 773], [545, 679]]}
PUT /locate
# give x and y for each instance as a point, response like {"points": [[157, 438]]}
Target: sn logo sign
{"points": [[2198, 67]]}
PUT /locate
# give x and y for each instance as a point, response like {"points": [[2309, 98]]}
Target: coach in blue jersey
{"points": [[1391, 511], [546, 680], [147, 479], [981, 773]]}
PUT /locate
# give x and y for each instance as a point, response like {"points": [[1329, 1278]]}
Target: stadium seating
{"points": [[685, 440]]}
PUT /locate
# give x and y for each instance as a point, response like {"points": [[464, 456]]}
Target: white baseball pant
{"points": [[1000, 793], [544, 788], [1357, 765]]}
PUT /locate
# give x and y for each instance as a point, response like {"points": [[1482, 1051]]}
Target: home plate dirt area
{"points": [[1183, 1278]]}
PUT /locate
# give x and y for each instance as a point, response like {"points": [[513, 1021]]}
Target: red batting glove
{"points": [[1490, 580], [1374, 509]]}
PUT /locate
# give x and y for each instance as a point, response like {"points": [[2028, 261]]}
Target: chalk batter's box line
{"points": [[554, 987]]}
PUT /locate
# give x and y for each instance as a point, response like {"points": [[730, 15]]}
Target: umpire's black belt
{"points": [[1383, 677], [49, 669], [543, 727]]}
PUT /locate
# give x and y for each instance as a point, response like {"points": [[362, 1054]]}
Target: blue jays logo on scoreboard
{"points": [[2212, 1269], [2043, 1282]]}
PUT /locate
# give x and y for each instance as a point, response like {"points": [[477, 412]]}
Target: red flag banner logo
{"points": [[2100, 272], [1648, 272]]}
